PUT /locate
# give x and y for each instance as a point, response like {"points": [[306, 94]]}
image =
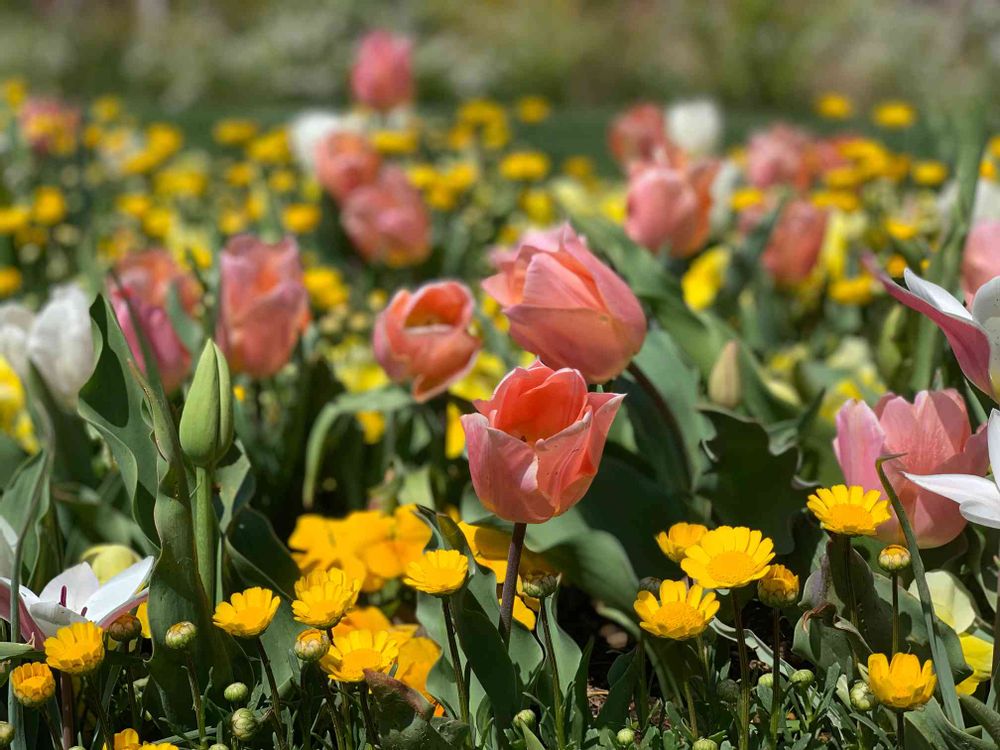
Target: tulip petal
{"points": [[79, 583], [29, 629], [978, 497], [118, 590]]}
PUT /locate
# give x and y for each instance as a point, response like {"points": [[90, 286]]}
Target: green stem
{"points": [[199, 709], [554, 669], [456, 662], [66, 706], [510, 581], [204, 529], [643, 698], [104, 726], [900, 730], [366, 713], [776, 680], [692, 714], [275, 698], [743, 723], [53, 732], [852, 602], [895, 613], [335, 717]]}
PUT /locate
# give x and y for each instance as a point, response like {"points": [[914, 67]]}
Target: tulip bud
{"points": [[705, 744], [6, 734], [311, 645], [625, 738], [126, 628], [651, 584], [525, 718], [180, 635], [540, 586], [803, 678], [206, 429], [244, 723], [862, 698], [725, 383], [236, 693], [894, 558], [766, 680], [729, 691]]}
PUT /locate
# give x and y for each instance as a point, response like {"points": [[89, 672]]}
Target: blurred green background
{"points": [[179, 55]]}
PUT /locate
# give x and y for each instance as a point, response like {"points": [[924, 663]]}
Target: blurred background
{"points": [[182, 55]]}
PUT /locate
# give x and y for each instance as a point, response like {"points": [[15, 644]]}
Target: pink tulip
{"points": [[638, 134], [782, 155], [382, 76], [569, 308], [387, 221], [795, 243], [981, 258], [424, 337], [934, 434], [49, 125], [144, 281], [344, 162], [263, 304], [670, 206], [535, 446]]}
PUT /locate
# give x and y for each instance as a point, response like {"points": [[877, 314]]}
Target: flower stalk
{"points": [[199, 709], [510, 581], [557, 702], [743, 723], [275, 698], [776, 678], [456, 661]]}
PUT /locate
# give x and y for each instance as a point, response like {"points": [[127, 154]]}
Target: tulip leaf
{"points": [[929, 728], [622, 679]]}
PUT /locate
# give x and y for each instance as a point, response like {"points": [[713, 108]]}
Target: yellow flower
{"points": [[158, 746], [247, 614], [779, 588], [439, 572], [108, 560], [902, 685], [324, 597], [489, 549], [142, 615], [988, 169], [704, 279], [850, 511], [843, 178], [127, 739], [395, 142], [855, 291], [746, 197], [13, 219], [241, 174], [32, 683], [106, 108], [350, 656], [894, 115], [326, 287], [523, 614], [163, 140], [300, 218], [929, 173], [538, 206], [729, 558], [895, 266], [533, 109], [579, 167], [679, 613], [675, 541], [282, 181], [372, 426], [900, 229], [416, 658], [15, 91], [135, 205], [50, 206], [845, 200], [270, 148], [454, 436], [233, 132], [524, 166], [76, 648], [978, 654], [10, 281], [834, 106]]}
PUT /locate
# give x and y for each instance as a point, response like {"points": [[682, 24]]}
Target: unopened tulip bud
{"points": [[862, 697], [244, 723], [803, 678], [625, 738], [525, 718], [894, 558], [206, 428], [705, 744], [6, 734], [540, 586], [725, 383], [729, 691], [766, 680], [126, 628], [311, 645], [236, 693], [180, 635]]}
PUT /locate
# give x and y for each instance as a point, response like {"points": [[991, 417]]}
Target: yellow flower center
{"points": [[251, 617], [732, 568], [679, 617], [356, 662], [849, 519]]}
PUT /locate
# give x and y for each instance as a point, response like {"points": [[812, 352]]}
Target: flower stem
{"points": [[510, 581], [199, 709], [557, 702], [852, 602], [335, 717], [275, 698], [692, 714], [104, 726], [642, 699], [67, 703], [743, 723], [53, 732], [900, 730], [366, 712], [456, 661], [204, 529], [895, 613], [776, 680]]}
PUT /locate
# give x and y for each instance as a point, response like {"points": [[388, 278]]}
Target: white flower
{"points": [[695, 126], [60, 344], [308, 128], [986, 205], [15, 328]]}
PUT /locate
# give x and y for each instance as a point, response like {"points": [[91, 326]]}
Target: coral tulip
{"points": [[382, 76]]}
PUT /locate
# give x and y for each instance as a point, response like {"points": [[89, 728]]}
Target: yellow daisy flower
{"points": [[779, 588], [729, 557], [350, 656], [850, 511], [76, 649], [681, 612], [248, 613], [322, 598], [674, 541], [127, 739], [834, 106], [439, 572], [902, 684], [33, 684], [894, 115], [524, 166]]}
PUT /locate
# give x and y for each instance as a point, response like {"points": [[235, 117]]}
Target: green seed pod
{"points": [[766, 680], [803, 678], [206, 429], [236, 693], [244, 723], [862, 697], [218, 746], [180, 635], [525, 718], [540, 586], [625, 738], [126, 628], [705, 744]]}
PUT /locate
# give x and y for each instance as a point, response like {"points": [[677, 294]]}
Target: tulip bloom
{"points": [[387, 221], [535, 446], [795, 243], [637, 134], [382, 76], [934, 436], [424, 337], [569, 308], [263, 304], [670, 206], [780, 156], [345, 161], [695, 126], [981, 257]]}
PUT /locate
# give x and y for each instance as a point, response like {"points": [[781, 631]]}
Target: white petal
{"points": [[49, 617], [120, 589], [993, 444], [935, 295], [79, 582], [976, 496]]}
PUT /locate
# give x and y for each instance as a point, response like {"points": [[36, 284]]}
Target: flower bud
{"points": [[180, 635], [862, 698], [525, 718], [206, 428], [244, 723], [126, 628], [803, 678], [725, 383], [779, 588], [311, 645], [236, 693], [6, 734], [218, 746], [705, 744], [625, 738], [766, 680], [651, 584], [540, 585], [729, 691], [894, 558]]}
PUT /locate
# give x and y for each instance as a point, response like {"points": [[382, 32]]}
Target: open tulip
{"points": [[344, 161], [933, 435], [387, 221], [423, 337], [263, 304], [981, 258], [382, 76], [569, 308], [637, 134], [535, 446], [795, 243], [781, 155]]}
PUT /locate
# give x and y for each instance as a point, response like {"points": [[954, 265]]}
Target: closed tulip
{"points": [[423, 337], [263, 304], [60, 343], [981, 257], [795, 243], [637, 134], [934, 436], [569, 308], [382, 76], [345, 161], [781, 155], [535, 446], [387, 221]]}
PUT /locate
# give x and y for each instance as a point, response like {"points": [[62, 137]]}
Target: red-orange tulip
{"points": [[345, 161], [387, 221], [382, 76], [638, 134], [795, 243]]}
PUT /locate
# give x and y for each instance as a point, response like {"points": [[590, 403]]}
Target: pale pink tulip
{"points": [[781, 155], [535, 446], [934, 436], [387, 221], [638, 134], [795, 243], [382, 76], [344, 162], [981, 257]]}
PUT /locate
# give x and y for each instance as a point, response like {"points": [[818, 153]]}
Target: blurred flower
{"points": [[705, 277], [778, 588], [49, 207], [981, 257], [729, 558], [49, 125], [637, 134], [795, 242], [933, 435], [894, 115], [13, 219], [781, 155], [76, 649], [675, 541], [271, 148], [680, 613], [15, 420], [417, 657], [850, 511], [567, 307], [345, 160], [326, 287], [423, 337], [834, 106], [309, 128], [234, 132], [929, 173], [108, 560], [300, 218], [322, 598], [533, 109], [382, 75], [524, 166], [903, 684], [248, 613], [387, 221], [32, 684], [396, 142], [489, 549], [127, 739], [351, 655], [535, 446], [695, 126], [263, 304], [438, 572]]}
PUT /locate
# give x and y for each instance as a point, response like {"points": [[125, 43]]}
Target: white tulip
{"points": [[15, 328], [695, 126], [308, 128], [60, 344]]}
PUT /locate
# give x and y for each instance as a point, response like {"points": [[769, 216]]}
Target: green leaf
{"points": [[985, 716], [622, 679]]}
